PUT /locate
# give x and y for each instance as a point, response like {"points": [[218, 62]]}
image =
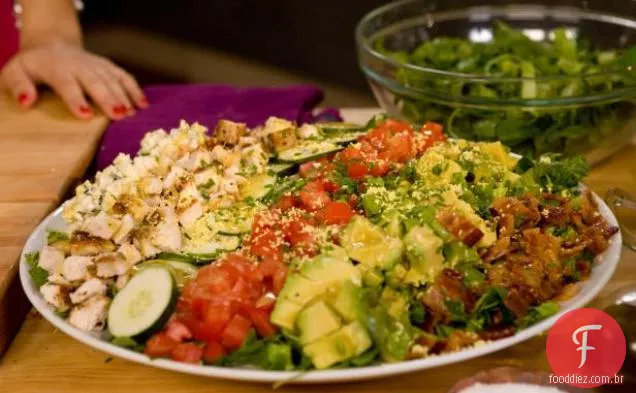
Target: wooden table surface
{"points": [[42, 152], [43, 359]]}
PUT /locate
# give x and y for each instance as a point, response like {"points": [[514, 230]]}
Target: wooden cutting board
{"points": [[43, 151]]}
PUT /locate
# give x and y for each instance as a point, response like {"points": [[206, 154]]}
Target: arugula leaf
{"points": [[555, 173], [274, 353], [53, 236], [512, 54], [38, 274], [539, 313]]}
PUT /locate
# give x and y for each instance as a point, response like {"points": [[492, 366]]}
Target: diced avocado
{"points": [[396, 302], [347, 342], [370, 276], [319, 278], [302, 290], [392, 224], [457, 252], [329, 268], [347, 303], [316, 321], [436, 169], [396, 276], [370, 245], [423, 250], [285, 313], [359, 335], [498, 153]]}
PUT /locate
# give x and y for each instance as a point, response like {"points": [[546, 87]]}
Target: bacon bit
{"points": [[460, 226]]}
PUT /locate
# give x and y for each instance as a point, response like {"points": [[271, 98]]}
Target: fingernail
{"points": [[120, 110], [144, 101], [23, 98], [85, 110]]}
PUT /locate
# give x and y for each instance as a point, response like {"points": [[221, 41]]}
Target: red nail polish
{"points": [[22, 98], [120, 110], [144, 101], [85, 110]]}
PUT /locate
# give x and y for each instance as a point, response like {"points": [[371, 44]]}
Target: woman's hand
{"points": [[73, 73]]}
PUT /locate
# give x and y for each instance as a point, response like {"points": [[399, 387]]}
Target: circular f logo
{"points": [[587, 346]]}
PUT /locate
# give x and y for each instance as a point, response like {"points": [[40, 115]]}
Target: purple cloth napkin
{"points": [[207, 104]]}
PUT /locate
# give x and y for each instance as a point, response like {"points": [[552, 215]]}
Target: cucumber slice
{"points": [[257, 186], [337, 127], [197, 259], [308, 151], [205, 252], [144, 305], [282, 169], [181, 271], [235, 220], [345, 138]]}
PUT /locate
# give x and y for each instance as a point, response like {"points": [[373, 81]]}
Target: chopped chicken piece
{"points": [[56, 295], [58, 279], [175, 174], [76, 268], [280, 137], [101, 226], [51, 259], [130, 254], [151, 186], [145, 246], [228, 132], [167, 234], [189, 215], [307, 131], [111, 265], [135, 206], [208, 179], [122, 280], [90, 315], [127, 225], [82, 244], [63, 245], [88, 289]]}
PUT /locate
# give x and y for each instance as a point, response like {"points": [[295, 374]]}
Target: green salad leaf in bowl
{"points": [[537, 78]]}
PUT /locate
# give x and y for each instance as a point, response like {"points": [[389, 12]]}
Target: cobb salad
{"points": [[319, 246]]}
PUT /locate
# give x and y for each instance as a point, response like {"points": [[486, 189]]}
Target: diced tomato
{"points": [[298, 232], [200, 330], [336, 213], [434, 128], [350, 154], [400, 147], [266, 245], [217, 316], [261, 322], [187, 353], [265, 303], [236, 332], [285, 203], [395, 126], [278, 281], [313, 195], [379, 167], [330, 186], [378, 137], [433, 133], [213, 352], [357, 170], [178, 331], [211, 279], [160, 345]]}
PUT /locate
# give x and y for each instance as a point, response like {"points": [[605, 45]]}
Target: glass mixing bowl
{"points": [[594, 121]]}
